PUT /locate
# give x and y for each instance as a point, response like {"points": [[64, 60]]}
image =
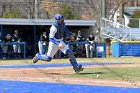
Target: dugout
{"points": [[31, 29]]}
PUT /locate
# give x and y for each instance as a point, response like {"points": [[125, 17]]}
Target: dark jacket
{"points": [[43, 39], [16, 38]]}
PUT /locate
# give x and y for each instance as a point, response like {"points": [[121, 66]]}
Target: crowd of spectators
{"points": [[86, 49], [9, 50], [15, 50]]}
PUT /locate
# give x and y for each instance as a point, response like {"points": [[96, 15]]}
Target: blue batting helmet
{"points": [[58, 17]]}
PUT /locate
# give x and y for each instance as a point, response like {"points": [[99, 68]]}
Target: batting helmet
{"points": [[58, 17]]}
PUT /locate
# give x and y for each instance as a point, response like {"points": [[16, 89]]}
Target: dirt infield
{"points": [[56, 75]]}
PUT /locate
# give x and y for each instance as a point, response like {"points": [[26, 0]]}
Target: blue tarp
{"points": [[40, 87]]}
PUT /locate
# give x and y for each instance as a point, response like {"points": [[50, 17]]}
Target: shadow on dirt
{"points": [[91, 73]]}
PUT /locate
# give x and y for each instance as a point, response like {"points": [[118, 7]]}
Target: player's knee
{"points": [[70, 54], [68, 51]]}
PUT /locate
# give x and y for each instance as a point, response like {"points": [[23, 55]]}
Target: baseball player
{"points": [[56, 43]]}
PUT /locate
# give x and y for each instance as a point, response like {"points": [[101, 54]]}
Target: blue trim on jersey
{"points": [[64, 29], [60, 30], [56, 25], [54, 41]]}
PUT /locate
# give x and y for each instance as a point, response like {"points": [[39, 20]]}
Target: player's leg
{"points": [[77, 68], [4, 49], [15, 51], [40, 46], [87, 50], [19, 51], [52, 49], [91, 51]]}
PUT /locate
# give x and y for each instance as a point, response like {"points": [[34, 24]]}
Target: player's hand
{"points": [[61, 45]]}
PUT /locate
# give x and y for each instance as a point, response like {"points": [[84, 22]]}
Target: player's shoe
{"points": [[35, 59], [80, 68]]}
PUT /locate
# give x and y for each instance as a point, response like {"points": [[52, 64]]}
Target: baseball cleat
{"points": [[35, 58], [79, 69]]}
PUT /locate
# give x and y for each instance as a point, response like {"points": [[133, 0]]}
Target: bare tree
{"points": [[93, 10], [86, 9], [25, 7], [29, 9], [6, 5], [115, 5], [50, 7]]}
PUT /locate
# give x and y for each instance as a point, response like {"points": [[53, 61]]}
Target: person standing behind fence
{"points": [[90, 48], [5, 47], [80, 47], [42, 44], [70, 38], [79, 37], [17, 48]]}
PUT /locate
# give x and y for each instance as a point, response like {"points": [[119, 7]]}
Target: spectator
{"points": [[80, 47], [6, 47], [79, 37], [70, 38], [42, 44], [90, 48], [17, 48]]}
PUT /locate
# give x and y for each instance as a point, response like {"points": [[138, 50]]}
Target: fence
{"points": [[15, 43], [127, 48], [100, 47]]}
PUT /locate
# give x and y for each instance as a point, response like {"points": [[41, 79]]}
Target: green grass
{"points": [[127, 74]]}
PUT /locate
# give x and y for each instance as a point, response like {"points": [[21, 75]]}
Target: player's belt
{"points": [[58, 39]]}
